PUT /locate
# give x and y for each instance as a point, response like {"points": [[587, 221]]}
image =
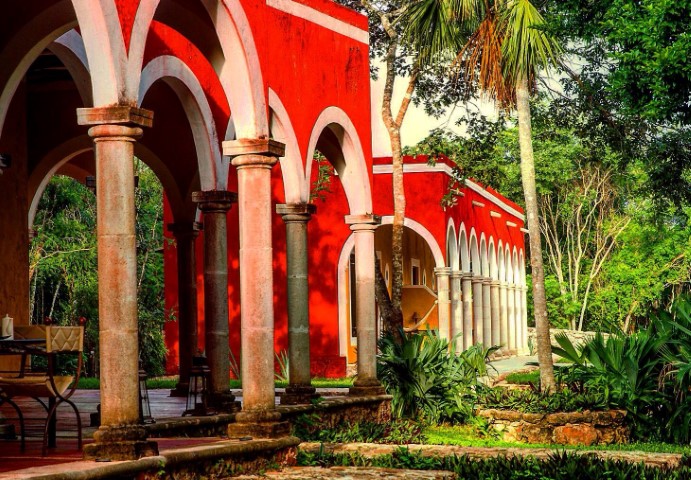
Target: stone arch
{"points": [[424, 233], [343, 334], [484, 260], [291, 164], [508, 265], [451, 246], [522, 268], [337, 138], [69, 48], [27, 44], [213, 173], [516, 269], [492, 254], [475, 261], [501, 264], [464, 257]]}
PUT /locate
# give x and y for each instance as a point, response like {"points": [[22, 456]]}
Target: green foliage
{"points": [[558, 466], [427, 379], [63, 262], [523, 378], [533, 401], [310, 428]]}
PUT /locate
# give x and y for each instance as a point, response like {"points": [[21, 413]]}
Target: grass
{"points": [[168, 383], [523, 378], [474, 436]]}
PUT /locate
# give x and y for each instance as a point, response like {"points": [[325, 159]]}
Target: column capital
{"points": [[456, 274], [487, 280], [467, 275], [442, 271], [254, 152], [296, 212], [495, 283], [214, 200], [117, 115], [180, 229], [366, 221]]}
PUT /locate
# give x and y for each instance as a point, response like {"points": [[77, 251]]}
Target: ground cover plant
{"points": [[534, 401], [310, 428], [559, 466]]}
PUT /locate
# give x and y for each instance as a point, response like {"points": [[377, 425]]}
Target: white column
{"points": [[495, 312], [486, 311], [363, 227], [457, 311], [478, 310], [467, 298], [511, 308], [443, 301], [504, 316], [524, 305]]}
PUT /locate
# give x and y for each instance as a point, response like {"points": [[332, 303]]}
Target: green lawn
{"points": [[168, 383], [472, 436], [524, 378]]}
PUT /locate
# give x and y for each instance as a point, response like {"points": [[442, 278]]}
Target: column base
{"points": [[180, 390], [223, 403], [126, 442], [368, 388], [259, 424], [299, 395]]}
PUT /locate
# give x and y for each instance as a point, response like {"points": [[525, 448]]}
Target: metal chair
{"points": [[57, 388]]}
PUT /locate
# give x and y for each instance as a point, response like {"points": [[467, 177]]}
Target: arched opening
{"points": [[452, 259]]}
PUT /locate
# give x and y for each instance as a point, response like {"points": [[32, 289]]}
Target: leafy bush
{"points": [[308, 427], [426, 378], [646, 373], [532, 401], [558, 466]]}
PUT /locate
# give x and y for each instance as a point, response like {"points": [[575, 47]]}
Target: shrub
{"points": [[308, 427], [427, 380], [533, 401]]}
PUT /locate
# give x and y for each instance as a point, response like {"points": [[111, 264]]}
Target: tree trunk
{"points": [[544, 345]]}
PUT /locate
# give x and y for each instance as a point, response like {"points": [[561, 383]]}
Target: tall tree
{"points": [[503, 55], [424, 84]]}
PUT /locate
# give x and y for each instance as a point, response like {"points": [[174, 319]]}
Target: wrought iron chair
{"points": [[56, 388]]}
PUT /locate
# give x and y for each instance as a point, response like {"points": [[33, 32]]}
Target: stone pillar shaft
{"points": [[504, 317], [214, 205], [444, 301], [495, 315], [486, 312], [363, 227], [457, 328], [478, 310], [467, 297], [511, 310], [524, 305], [185, 235], [114, 131], [296, 218]]}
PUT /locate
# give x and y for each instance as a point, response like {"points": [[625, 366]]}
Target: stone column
{"points": [[478, 310], [114, 131], [495, 312], [511, 310], [185, 234], [518, 306], [504, 316], [300, 389], [524, 307], [456, 311], [444, 301], [363, 227], [254, 159], [467, 297], [214, 205], [487, 311]]}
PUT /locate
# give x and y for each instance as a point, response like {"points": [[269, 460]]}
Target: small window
{"points": [[414, 271]]}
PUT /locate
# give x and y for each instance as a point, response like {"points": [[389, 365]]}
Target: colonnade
{"points": [[483, 310]]}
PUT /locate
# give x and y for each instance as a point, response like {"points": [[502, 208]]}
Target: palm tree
{"points": [[507, 47]]}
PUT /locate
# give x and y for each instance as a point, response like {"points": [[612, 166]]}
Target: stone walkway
{"points": [[351, 473], [670, 460]]}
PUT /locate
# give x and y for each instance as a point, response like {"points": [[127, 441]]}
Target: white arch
{"points": [[475, 265], [69, 48], [352, 171], [464, 256], [509, 265], [492, 253], [291, 165], [424, 233], [501, 262], [522, 267], [213, 174], [343, 334], [451, 246], [484, 261], [239, 71], [516, 269], [26, 45]]}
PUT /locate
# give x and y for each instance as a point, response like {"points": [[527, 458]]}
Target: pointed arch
{"points": [[501, 264], [464, 256], [484, 260], [474, 247], [452, 259], [492, 254]]}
